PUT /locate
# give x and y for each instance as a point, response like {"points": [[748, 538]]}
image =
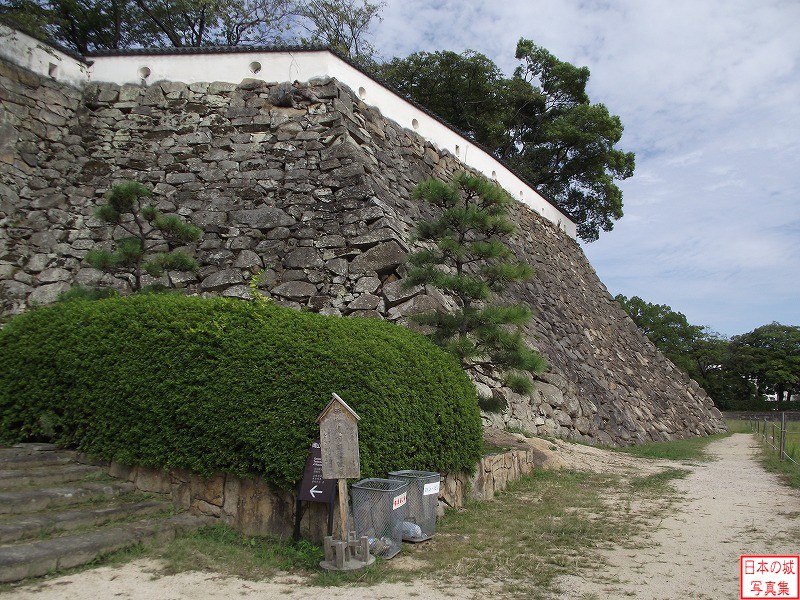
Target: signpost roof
{"points": [[337, 401]]}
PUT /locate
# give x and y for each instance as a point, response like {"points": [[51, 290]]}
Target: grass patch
{"points": [[658, 482], [738, 426], [543, 526], [789, 472], [693, 448], [519, 430], [221, 549]]}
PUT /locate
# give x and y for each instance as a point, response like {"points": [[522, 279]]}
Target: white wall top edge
{"points": [[276, 66], [41, 58]]}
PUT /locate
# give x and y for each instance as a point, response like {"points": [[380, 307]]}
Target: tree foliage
{"points": [[149, 230], [467, 260], [669, 331], [736, 373], [769, 357], [89, 25], [216, 22], [341, 25], [467, 90], [540, 121]]}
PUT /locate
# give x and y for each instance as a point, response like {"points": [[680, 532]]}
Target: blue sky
{"points": [[709, 94]]}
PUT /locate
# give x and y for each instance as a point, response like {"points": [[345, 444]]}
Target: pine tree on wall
{"points": [[467, 260], [149, 229]]}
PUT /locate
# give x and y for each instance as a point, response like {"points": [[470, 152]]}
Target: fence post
{"points": [[783, 437], [773, 437]]}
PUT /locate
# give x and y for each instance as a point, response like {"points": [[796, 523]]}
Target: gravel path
{"points": [[730, 506]]}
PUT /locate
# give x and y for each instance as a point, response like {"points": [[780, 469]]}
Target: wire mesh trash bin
{"points": [[423, 500], [379, 511]]}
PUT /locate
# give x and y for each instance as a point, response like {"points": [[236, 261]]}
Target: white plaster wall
{"points": [[41, 58], [304, 66]]}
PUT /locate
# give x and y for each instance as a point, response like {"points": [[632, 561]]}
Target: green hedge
{"points": [[214, 384]]}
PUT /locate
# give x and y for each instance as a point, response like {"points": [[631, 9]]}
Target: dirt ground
{"points": [[730, 506]]}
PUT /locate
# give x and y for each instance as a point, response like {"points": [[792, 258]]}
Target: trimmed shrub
{"points": [[215, 384]]}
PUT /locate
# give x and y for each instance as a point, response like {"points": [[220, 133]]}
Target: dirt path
{"points": [[732, 506]]}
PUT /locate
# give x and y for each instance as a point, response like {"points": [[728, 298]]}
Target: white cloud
{"points": [[690, 158]]}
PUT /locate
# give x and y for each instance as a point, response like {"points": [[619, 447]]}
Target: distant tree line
{"points": [[739, 373], [540, 120]]}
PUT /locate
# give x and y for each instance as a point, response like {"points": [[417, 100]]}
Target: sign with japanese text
{"points": [[430, 488], [769, 577], [315, 488], [399, 501]]}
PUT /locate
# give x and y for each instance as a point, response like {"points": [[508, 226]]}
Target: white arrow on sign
{"points": [[314, 491]]}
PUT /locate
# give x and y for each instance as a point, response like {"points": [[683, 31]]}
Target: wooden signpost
{"points": [[338, 436]]}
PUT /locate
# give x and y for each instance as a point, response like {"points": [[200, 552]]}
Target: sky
{"points": [[709, 94]]}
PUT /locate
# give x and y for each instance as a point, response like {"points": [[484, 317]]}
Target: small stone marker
{"points": [[338, 436]]}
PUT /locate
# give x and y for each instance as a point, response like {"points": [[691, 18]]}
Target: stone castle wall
{"points": [[316, 198]]}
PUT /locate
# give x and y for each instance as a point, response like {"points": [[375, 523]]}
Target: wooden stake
{"points": [[343, 508]]}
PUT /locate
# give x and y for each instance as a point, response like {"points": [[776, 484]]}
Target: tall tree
{"points": [[218, 22], [28, 16], [540, 120], [467, 90], [467, 259], [710, 358], [149, 232], [768, 356], [669, 331], [563, 143], [342, 25]]}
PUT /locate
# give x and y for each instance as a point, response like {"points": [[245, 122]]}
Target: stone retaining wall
{"points": [[252, 507]]}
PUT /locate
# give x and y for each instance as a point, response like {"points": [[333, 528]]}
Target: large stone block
{"points": [[54, 275], [365, 302], [152, 480], [47, 294], [209, 489], [417, 305], [295, 290], [396, 292], [266, 217], [247, 259], [303, 258], [221, 280], [380, 259]]}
